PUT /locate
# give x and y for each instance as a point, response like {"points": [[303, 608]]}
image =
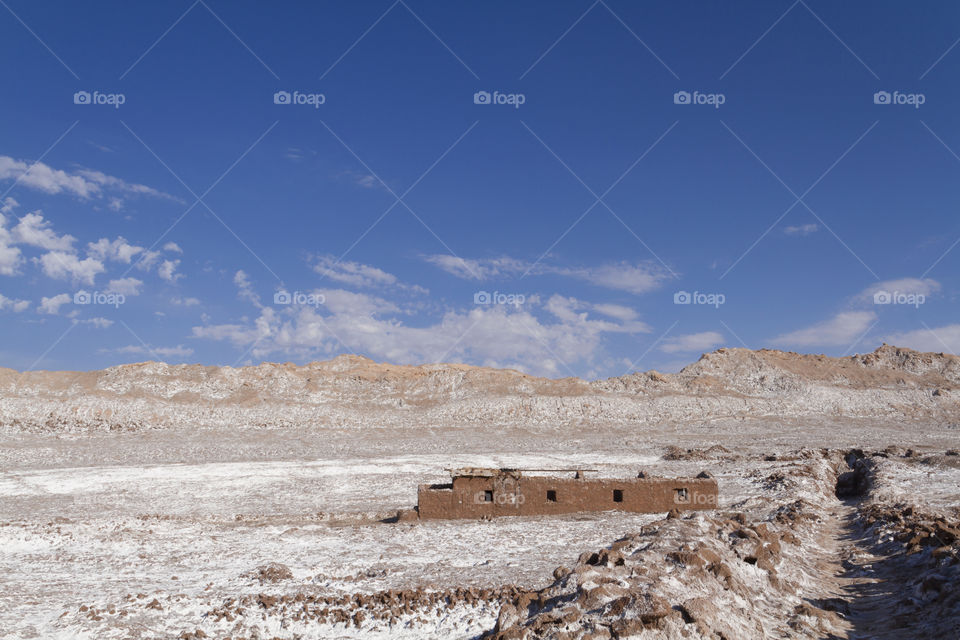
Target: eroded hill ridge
{"points": [[889, 383]]}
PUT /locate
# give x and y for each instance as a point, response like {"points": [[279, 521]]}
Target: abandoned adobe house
{"points": [[477, 493]]}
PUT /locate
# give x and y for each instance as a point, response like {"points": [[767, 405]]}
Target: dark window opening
{"points": [[682, 495], [551, 495], [618, 495], [488, 496]]}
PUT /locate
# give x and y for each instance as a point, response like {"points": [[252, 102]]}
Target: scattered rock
{"points": [[269, 573]]}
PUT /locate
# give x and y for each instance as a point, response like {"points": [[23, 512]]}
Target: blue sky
{"points": [[566, 188]]}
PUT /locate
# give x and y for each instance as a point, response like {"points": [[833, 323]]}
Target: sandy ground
{"points": [[183, 517]]}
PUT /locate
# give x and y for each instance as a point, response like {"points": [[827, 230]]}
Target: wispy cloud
{"points": [[637, 278], [802, 230], [842, 330], [938, 339], [356, 274], [362, 179], [544, 337], [692, 342], [178, 351], [906, 286], [83, 183]]}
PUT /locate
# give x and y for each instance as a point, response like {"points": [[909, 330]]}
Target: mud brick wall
{"points": [[476, 497]]}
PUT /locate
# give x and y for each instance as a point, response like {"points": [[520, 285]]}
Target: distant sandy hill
{"points": [[890, 383]]}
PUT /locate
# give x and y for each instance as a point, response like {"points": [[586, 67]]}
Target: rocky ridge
{"points": [[890, 383]]}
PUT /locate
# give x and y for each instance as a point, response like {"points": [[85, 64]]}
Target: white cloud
{"points": [[245, 288], [42, 177], [125, 286], [906, 286], [937, 339], [692, 342], [51, 306], [110, 182], [477, 269], [633, 278], [60, 266], [10, 257], [178, 351], [295, 153], [565, 331], [84, 183], [636, 279], [147, 260], [361, 179], [172, 246], [357, 274], [802, 230], [184, 302], [348, 303], [167, 269], [616, 311], [353, 273], [575, 312], [237, 334], [367, 181], [62, 261], [14, 305], [840, 331], [118, 250], [35, 231], [98, 323]]}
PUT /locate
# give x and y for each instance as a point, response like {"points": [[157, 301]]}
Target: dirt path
{"points": [[881, 593], [857, 584]]}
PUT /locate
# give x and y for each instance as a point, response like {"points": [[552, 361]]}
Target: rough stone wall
{"points": [[477, 497]]}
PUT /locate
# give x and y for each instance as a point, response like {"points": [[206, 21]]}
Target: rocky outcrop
{"points": [[719, 576]]}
